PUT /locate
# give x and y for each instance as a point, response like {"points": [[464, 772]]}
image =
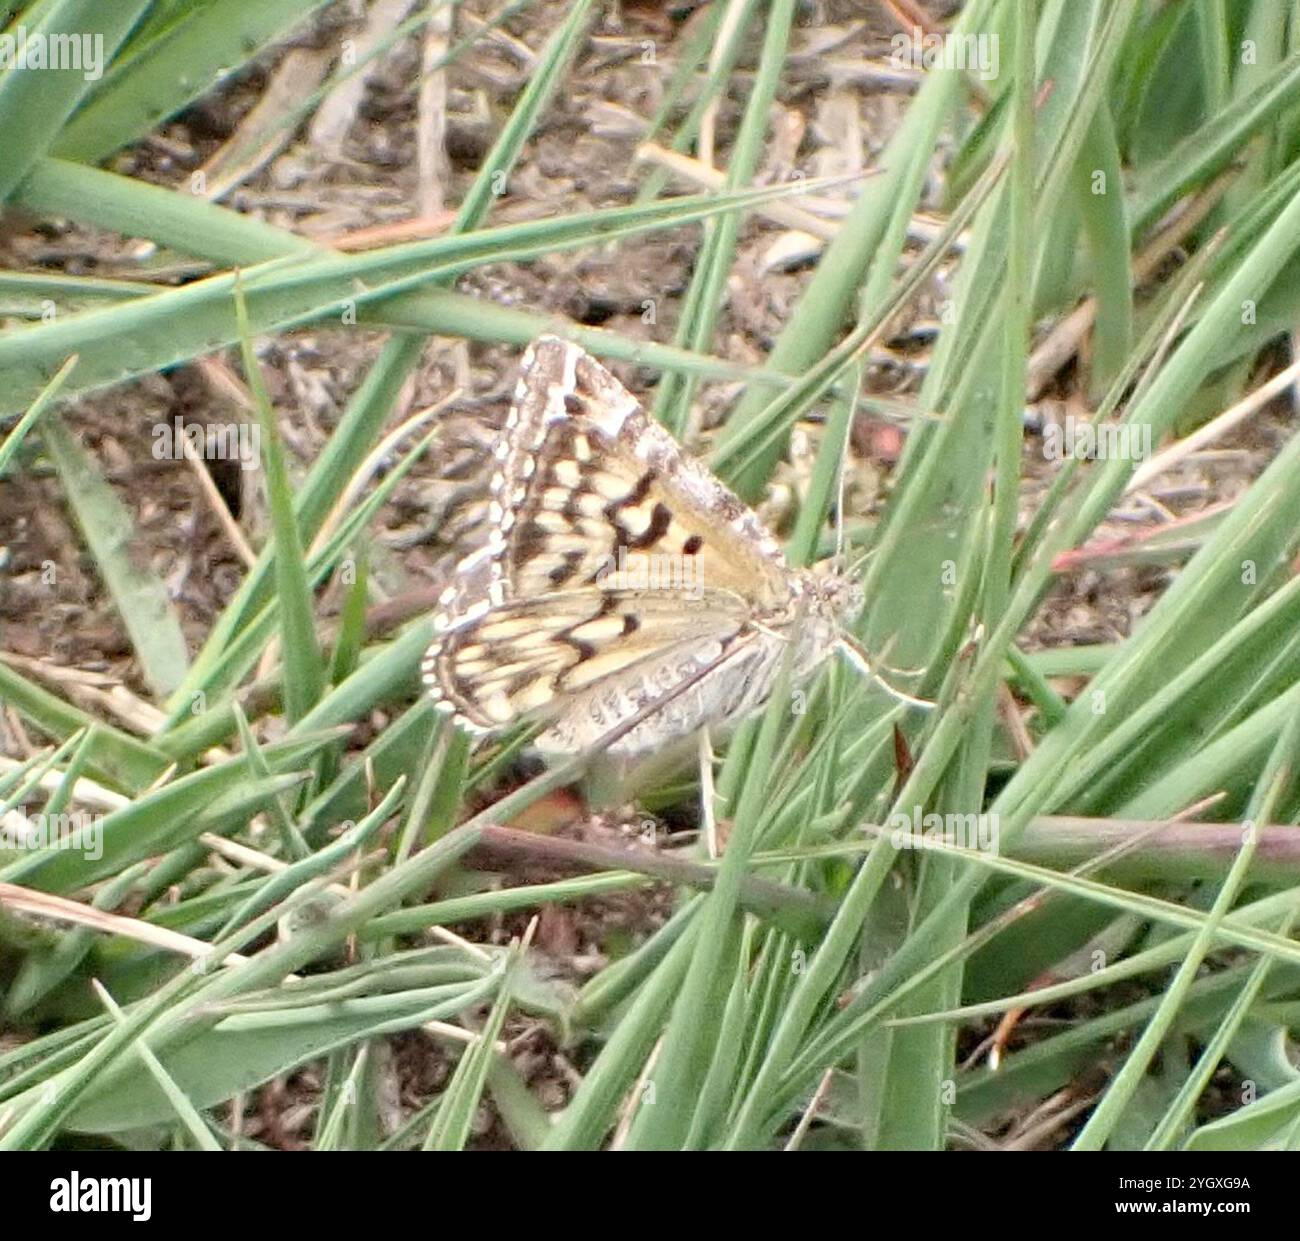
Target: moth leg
{"points": [[852, 651]]}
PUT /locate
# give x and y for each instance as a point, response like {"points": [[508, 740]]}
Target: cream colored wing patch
{"points": [[521, 660]]}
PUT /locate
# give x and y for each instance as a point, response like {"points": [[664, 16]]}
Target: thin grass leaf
{"points": [[13, 441], [451, 1126], [36, 99], [1277, 775], [117, 758], [174, 325], [304, 668], [140, 596], [817, 319], [181, 1105], [704, 298], [157, 75], [688, 1047]]}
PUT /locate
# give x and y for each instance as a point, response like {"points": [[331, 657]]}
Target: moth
{"points": [[618, 575]]}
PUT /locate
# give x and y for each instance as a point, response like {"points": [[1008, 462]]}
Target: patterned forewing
{"points": [[589, 487], [527, 657]]}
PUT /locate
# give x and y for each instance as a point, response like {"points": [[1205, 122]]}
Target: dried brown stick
{"points": [[507, 846]]}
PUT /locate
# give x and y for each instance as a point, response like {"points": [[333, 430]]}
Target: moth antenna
{"points": [[769, 631], [855, 567], [858, 657]]}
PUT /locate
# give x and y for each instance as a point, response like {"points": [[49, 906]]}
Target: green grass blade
{"points": [[138, 593]]}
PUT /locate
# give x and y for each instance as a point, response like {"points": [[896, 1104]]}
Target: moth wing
{"points": [[585, 483], [525, 658]]}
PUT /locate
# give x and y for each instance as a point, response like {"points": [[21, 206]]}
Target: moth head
{"points": [[839, 597]]}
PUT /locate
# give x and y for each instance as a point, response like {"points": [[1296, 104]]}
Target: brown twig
{"points": [[1176, 851], [773, 901]]}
